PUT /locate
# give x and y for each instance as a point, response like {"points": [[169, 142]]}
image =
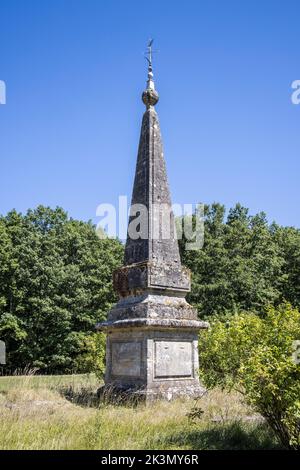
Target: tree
{"points": [[56, 284], [56, 278], [288, 240], [241, 265]]}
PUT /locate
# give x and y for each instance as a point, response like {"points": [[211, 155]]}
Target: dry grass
{"points": [[62, 412]]}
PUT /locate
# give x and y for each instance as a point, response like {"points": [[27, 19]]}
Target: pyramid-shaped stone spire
{"points": [[152, 259], [157, 241]]}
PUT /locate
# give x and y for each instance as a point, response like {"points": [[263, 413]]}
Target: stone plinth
{"points": [[152, 346], [156, 359]]}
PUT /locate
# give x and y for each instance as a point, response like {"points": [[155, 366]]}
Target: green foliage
{"points": [[55, 285], [92, 356], [245, 264], [253, 354], [56, 279]]}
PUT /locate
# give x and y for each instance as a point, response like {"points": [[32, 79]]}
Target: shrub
{"points": [[254, 354], [92, 358]]}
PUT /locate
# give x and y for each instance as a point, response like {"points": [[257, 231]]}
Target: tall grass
{"points": [[63, 412]]}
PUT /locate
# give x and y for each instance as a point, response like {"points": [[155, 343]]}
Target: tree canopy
{"points": [[245, 263], [55, 284], [56, 279]]}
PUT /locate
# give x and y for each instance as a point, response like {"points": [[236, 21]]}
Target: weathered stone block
{"points": [[155, 362], [126, 358], [136, 278], [173, 359]]}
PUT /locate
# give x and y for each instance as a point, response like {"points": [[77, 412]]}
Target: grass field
{"points": [[62, 412]]}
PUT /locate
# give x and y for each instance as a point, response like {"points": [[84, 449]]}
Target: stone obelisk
{"points": [[152, 332]]}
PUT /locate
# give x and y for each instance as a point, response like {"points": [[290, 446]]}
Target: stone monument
{"points": [[152, 332]]}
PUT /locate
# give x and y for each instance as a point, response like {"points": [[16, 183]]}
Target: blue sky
{"points": [[74, 71]]}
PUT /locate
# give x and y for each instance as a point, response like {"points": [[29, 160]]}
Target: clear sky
{"points": [[74, 71]]}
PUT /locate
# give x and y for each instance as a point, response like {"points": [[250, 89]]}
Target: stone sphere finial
{"points": [[150, 97]]}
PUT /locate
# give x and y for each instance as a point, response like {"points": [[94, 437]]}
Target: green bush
{"points": [[254, 354], [92, 357]]}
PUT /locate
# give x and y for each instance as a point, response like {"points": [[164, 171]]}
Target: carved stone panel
{"points": [[173, 359], [126, 358]]}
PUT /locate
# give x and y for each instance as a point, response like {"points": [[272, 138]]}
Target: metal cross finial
{"points": [[149, 52], [150, 95]]}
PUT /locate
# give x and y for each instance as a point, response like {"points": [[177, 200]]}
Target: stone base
{"points": [[150, 363], [118, 394]]}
